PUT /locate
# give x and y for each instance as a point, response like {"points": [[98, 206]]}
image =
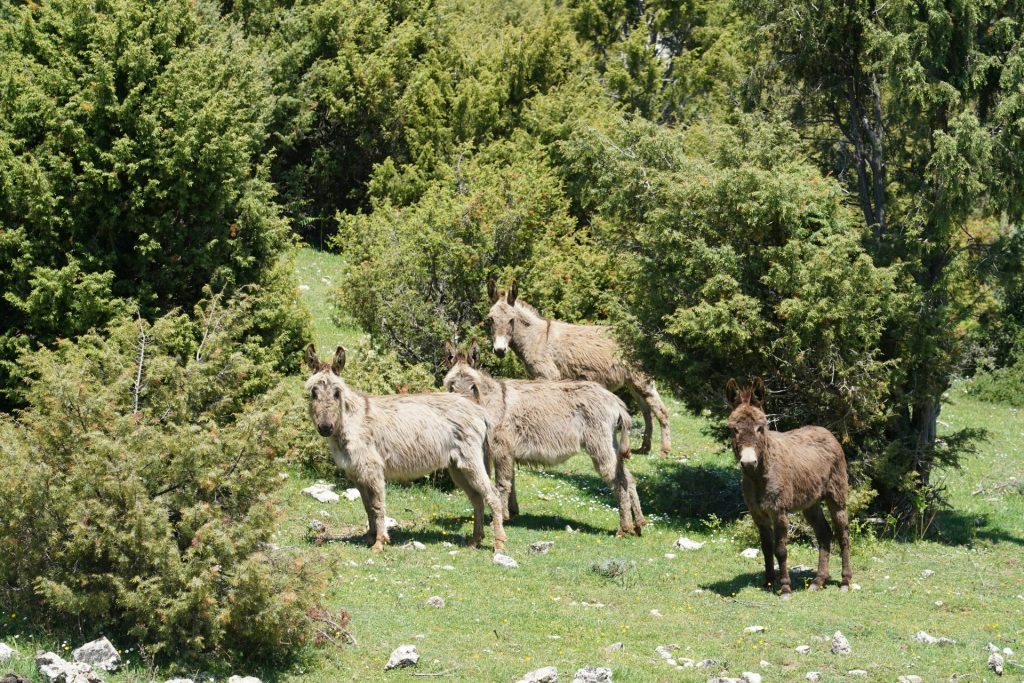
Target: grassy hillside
{"points": [[554, 609]]}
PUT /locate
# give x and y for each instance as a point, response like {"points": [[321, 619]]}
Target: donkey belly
{"points": [[555, 448]]}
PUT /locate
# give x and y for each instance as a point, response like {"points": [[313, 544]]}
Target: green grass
{"points": [[500, 623]]}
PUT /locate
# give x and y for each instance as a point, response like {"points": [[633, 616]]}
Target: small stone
{"points": [[656, 613], [750, 677], [670, 556], [6, 653], [403, 656], [325, 514], [570, 529], [939, 603], [910, 678], [593, 674], [414, 545], [813, 676], [99, 654], [995, 662], [803, 649], [926, 573], [749, 553], [684, 663], [244, 679], [614, 647], [708, 663], [928, 639], [764, 663], [1008, 652], [541, 547], [303, 288], [179, 680], [856, 672], [317, 526], [351, 494], [855, 586], [12, 677], [548, 674], [840, 645], [723, 679], [684, 543], [322, 492], [390, 523], [754, 629], [55, 670], [504, 560], [435, 601], [665, 651]]}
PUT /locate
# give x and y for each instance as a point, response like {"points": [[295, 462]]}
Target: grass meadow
{"points": [[554, 609]]}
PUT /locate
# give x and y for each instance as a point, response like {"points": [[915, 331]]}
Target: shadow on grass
{"points": [[952, 527], [799, 581]]}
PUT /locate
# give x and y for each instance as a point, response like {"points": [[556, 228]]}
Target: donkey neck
{"points": [[530, 334]]}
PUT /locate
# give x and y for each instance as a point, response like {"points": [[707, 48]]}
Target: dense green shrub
{"points": [[129, 172], [140, 489]]}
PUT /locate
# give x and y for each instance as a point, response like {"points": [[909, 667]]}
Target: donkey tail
{"points": [[625, 421]]}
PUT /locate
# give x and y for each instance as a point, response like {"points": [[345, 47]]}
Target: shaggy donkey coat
{"points": [[545, 423], [551, 349], [374, 439], [784, 472]]}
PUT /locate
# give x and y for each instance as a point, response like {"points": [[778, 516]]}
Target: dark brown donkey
{"points": [[785, 472]]}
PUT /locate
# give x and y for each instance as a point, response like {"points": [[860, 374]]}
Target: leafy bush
{"points": [[140, 486], [129, 137]]}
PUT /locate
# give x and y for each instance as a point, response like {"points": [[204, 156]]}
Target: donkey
{"points": [[374, 439], [551, 349], [545, 423], [787, 472]]}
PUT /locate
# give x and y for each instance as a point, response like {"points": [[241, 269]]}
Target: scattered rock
{"points": [[656, 613], [504, 560], [390, 523], [803, 649], [614, 647], [1008, 652], [840, 645], [856, 672], [317, 526], [926, 573], [754, 629], [403, 656], [99, 654], [750, 677], [325, 514], [545, 496], [855, 586], [322, 492], [665, 651], [244, 679], [750, 553], [13, 678], [813, 676], [570, 529], [413, 545], [541, 547], [6, 653], [435, 601], [723, 679], [179, 680], [684, 663], [612, 568], [764, 663], [670, 556], [909, 678], [708, 663], [995, 662], [686, 544], [593, 674], [928, 639], [54, 669], [303, 288], [548, 674], [350, 494]]}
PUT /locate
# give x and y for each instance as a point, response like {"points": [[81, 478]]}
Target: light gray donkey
{"points": [[551, 349], [545, 423], [374, 439]]}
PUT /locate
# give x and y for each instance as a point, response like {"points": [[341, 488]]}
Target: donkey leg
{"points": [[841, 522], [782, 553], [764, 531], [634, 500], [645, 410], [613, 472], [823, 534], [504, 479], [476, 479], [653, 399], [477, 501], [364, 495], [379, 525], [513, 503]]}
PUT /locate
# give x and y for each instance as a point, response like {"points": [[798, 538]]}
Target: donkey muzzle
{"points": [[324, 429], [748, 457]]}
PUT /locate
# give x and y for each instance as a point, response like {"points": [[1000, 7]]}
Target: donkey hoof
{"points": [[499, 546], [377, 547], [845, 588]]}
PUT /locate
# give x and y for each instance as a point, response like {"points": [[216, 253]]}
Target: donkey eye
{"points": [[313, 393]]}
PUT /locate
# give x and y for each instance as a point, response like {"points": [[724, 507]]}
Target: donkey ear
{"points": [[492, 288], [449, 353], [338, 363], [758, 392], [474, 354], [476, 391], [732, 392], [312, 360], [513, 293]]}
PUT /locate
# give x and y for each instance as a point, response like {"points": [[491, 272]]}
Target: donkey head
{"points": [[325, 390], [502, 316], [748, 423], [463, 377]]}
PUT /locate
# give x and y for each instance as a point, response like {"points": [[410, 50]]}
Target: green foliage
{"points": [[140, 487], [129, 135]]}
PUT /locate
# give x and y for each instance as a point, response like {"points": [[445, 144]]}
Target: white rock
{"points": [[504, 560], [803, 649], [593, 674], [99, 654], [179, 680], [303, 288], [656, 613], [684, 543], [403, 655], [1008, 652], [541, 547], [350, 494], [707, 663], [54, 669], [926, 573], [435, 601], [856, 672], [995, 662], [322, 492], [764, 663], [685, 663], [570, 529], [909, 678], [992, 648], [855, 586], [840, 645], [670, 556], [548, 674], [6, 653], [723, 679], [613, 647], [750, 553], [750, 677], [390, 523], [244, 679], [939, 603], [813, 676], [754, 629], [928, 639], [414, 545], [665, 651]]}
